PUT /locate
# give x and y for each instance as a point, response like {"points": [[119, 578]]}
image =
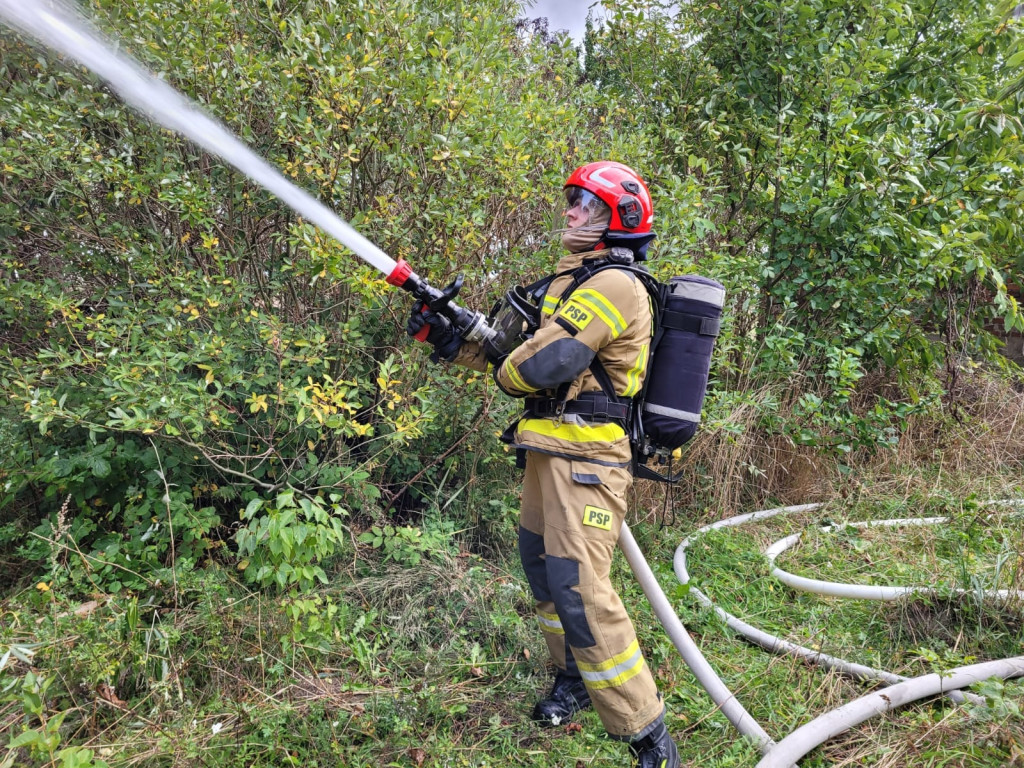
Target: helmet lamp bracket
{"points": [[630, 211]]}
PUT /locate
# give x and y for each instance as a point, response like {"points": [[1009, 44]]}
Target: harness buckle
{"points": [[559, 411]]}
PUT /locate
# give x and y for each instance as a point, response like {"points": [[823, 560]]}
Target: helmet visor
{"points": [[585, 200]]}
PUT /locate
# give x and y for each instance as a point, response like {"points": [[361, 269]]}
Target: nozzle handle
{"points": [[422, 333]]}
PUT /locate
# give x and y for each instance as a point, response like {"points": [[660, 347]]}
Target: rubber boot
{"points": [[568, 696], [655, 750]]}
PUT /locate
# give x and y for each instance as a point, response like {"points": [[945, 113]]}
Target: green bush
{"points": [[859, 197], [176, 342]]}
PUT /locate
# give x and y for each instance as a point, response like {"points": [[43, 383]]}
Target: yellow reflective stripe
{"points": [[603, 308], [615, 660], [517, 380], [615, 671], [574, 433], [618, 680], [549, 622], [550, 305], [633, 374]]}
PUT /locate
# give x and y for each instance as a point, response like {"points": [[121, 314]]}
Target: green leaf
{"points": [[1016, 60], [25, 739], [252, 508], [100, 467]]}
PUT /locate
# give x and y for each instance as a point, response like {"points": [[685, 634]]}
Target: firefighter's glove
{"points": [[441, 336]]}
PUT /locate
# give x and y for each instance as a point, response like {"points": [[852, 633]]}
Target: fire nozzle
{"points": [[471, 325]]}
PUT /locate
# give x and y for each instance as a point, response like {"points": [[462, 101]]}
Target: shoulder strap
{"points": [[580, 275], [655, 290], [537, 289]]}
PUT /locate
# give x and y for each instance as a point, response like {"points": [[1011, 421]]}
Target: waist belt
{"points": [[594, 406]]}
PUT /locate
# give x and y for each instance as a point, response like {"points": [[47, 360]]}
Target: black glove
{"points": [[442, 336], [440, 326]]}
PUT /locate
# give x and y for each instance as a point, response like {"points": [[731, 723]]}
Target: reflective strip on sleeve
{"points": [[517, 380], [574, 433], [614, 672], [633, 374], [603, 308], [549, 622], [550, 305]]}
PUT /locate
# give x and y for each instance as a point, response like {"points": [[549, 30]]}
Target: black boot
{"points": [[568, 696], [655, 750]]}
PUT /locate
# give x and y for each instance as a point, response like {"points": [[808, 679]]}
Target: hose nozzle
{"points": [[472, 326]]}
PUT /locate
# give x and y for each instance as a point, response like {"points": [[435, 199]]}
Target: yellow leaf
{"points": [[42, 586]]}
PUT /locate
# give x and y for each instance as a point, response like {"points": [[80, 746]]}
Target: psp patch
{"points": [[597, 517], [577, 314]]}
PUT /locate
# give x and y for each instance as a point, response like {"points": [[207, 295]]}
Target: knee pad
{"points": [[562, 576], [531, 550]]}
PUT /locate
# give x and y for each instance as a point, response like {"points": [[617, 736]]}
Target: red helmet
{"points": [[622, 190]]}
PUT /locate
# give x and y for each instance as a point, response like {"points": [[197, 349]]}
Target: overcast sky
{"points": [[563, 14]]}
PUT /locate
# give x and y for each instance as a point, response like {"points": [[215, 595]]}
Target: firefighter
{"points": [[578, 456]]}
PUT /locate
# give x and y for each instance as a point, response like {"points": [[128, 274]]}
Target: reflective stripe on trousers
{"points": [[570, 518]]}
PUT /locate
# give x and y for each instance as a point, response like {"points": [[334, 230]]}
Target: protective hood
{"points": [[585, 238]]}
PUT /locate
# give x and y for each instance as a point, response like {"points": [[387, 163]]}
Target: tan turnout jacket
{"points": [[609, 315]]}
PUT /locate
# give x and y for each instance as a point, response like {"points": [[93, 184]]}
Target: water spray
{"points": [[63, 30]]}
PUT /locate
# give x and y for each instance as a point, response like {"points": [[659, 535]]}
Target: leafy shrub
{"points": [[176, 343], [285, 545]]}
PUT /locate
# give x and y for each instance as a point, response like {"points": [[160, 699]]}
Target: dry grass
{"points": [[903, 739], [980, 428], [734, 464]]}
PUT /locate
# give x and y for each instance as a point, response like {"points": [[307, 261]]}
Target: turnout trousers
{"points": [[571, 515]]}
